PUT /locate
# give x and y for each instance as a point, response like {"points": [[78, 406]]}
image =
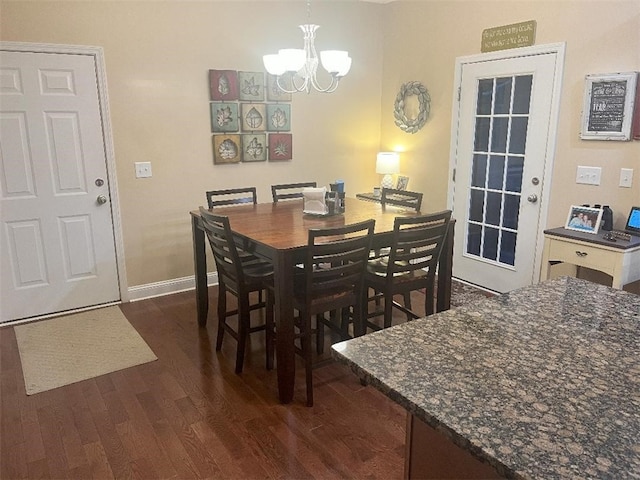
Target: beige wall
{"points": [[157, 58], [422, 41], [158, 54]]}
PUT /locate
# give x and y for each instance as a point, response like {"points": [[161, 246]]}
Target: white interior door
{"points": [[503, 149], [57, 237]]}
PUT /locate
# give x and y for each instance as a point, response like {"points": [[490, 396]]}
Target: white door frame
{"points": [[101, 77], [553, 48]]}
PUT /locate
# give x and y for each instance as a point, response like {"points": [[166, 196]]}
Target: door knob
{"points": [[101, 199], [533, 198]]}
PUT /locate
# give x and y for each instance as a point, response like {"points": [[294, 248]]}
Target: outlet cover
{"points": [[143, 169], [626, 177], [589, 175]]}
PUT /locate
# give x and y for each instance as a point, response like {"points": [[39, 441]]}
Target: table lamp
{"points": [[387, 163]]}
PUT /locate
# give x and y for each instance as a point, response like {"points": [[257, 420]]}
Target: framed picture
{"points": [[607, 112], [584, 219], [274, 92], [226, 149], [223, 85], [280, 146], [278, 117], [402, 182], [254, 117], [224, 117], [254, 147], [251, 86]]}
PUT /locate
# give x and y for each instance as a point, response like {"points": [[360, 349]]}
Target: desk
{"points": [[279, 232], [540, 382], [620, 259]]}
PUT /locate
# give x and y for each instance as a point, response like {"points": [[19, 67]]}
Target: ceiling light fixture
{"points": [[301, 65]]}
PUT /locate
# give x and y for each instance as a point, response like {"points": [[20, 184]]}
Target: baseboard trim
{"points": [[167, 287]]}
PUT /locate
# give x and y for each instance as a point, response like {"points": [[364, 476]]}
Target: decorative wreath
{"points": [[414, 124]]}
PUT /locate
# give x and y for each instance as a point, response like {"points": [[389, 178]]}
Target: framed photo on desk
{"points": [[584, 219], [403, 182]]}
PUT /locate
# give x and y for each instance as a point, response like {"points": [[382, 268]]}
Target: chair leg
{"points": [[388, 310], [344, 324], [407, 304], [428, 298], [320, 333], [222, 314], [244, 320], [305, 343], [270, 330]]}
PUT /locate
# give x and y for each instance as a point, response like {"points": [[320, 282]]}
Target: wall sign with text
{"points": [[607, 112], [516, 35]]}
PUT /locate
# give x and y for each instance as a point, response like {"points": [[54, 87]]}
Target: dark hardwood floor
{"points": [[188, 415]]}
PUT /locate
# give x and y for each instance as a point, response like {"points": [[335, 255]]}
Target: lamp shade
{"points": [[387, 163]]}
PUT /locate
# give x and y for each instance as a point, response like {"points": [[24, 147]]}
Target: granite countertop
{"points": [[542, 382]]}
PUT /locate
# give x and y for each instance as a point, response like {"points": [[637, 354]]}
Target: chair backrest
{"points": [[401, 198], [224, 249], [417, 243], [288, 191], [336, 260], [231, 196]]}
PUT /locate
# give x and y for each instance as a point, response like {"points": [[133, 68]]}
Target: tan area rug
{"points": [[77, 347]]}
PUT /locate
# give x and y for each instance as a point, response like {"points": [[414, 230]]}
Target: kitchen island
{"points": [[542, 382]]}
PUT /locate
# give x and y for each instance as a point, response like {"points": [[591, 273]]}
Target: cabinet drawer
{"points": [[583, 255]]}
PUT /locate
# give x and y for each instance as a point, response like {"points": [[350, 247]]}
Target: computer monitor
{"points": [[633, 222]]}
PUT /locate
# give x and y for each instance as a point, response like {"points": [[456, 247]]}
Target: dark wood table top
{"points": [[283, 226]]}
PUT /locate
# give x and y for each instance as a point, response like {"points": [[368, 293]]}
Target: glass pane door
{"points": [[497, 165]]}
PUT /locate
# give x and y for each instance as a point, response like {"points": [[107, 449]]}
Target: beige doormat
{"points": [[77, 347]]}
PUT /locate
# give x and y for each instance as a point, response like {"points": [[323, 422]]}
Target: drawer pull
{"points": [[581, 254]]}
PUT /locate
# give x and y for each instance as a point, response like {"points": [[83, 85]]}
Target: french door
{"points": [[502, 152]]}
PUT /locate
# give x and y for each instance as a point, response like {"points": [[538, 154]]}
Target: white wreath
{"points": [[424, 102]]}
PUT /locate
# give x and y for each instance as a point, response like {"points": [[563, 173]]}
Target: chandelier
{"points": [[300, 66]]}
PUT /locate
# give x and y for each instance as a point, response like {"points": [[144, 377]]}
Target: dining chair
{"points": [[289, 191], [240, 278], [398, 198], [331, 279], [409, 265], [231, 196], [401, 198]]}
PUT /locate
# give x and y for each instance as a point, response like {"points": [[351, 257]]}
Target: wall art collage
{"points": [[250, 118]]}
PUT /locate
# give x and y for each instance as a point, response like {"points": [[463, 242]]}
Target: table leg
{"points": [[285, 353], [200, 267], [445, 269]]}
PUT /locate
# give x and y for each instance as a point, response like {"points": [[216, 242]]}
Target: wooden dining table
{"points": [[279, 233]]}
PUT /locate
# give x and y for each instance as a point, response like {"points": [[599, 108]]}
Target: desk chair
{"points": [[331, 279], [410, 265], [401, 198], [231, 196], [239, 278], [288, 191]]}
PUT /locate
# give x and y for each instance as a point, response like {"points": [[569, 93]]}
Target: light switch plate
{"points": [[589, 175], [626, 177], [143, 169]]}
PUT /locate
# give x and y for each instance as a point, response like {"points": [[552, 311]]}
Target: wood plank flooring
{"points": [[188, 415]]}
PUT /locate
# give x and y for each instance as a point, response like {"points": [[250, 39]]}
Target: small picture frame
{"points": [[607, 112], [403, 182], [584, 219]]}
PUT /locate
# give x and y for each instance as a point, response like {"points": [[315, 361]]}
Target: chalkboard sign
{"points": [[608, 106]]}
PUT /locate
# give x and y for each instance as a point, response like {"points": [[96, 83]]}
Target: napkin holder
{"points": [[314, 201]]}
